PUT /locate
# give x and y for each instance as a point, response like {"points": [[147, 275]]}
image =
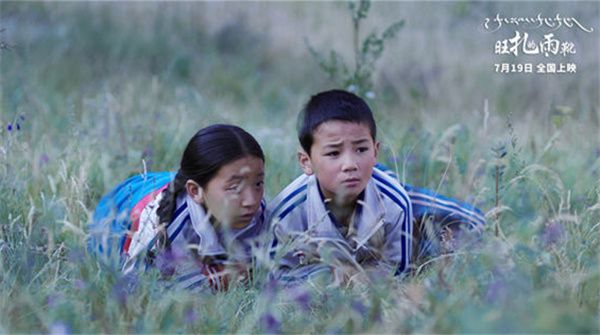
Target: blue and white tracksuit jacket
{"points": [[383, 222], [379, 235], [190, 234]]}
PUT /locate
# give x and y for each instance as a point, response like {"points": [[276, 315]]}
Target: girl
{"points": [[200, 225]]}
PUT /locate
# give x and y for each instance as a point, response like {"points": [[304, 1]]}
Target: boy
{"points": [[345, 209], [342, 207]]}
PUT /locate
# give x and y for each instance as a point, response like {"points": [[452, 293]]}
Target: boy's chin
{"points": [[348, 198]]}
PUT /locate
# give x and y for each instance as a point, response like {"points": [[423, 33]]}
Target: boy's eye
{"points": [[362, 149], [260, 184], [332, 153]]}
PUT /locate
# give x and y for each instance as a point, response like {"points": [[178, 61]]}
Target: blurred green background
{"points": [[93, 92]]}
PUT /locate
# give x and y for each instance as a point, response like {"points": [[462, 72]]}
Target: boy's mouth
{"points": [[351, 182]]}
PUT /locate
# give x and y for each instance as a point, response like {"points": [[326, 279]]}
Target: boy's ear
{"points": [[305, 163], [376, 148], [195, 191]]}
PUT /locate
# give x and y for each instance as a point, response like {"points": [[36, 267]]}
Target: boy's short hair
{"points": [[332, 105]]}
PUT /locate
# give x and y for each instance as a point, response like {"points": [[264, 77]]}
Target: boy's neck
{"points": [[342, 212]]}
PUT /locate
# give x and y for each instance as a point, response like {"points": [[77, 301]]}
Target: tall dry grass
{"points": [[101, 91]]}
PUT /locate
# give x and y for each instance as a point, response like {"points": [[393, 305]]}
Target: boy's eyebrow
{"points": [[360, 141], [334, 144], [340, 143]]}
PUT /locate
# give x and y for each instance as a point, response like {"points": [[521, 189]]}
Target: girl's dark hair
{"points": [[210, 149]]}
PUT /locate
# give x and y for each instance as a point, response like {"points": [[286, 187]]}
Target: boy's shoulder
{"points": [[394, 197], [293, 197], [290, 198]]}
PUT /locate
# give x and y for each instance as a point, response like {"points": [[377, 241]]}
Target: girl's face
{"points": [[234, 194]]}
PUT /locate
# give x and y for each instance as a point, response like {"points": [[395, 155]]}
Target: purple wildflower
{"points": [[303, 298], [166, 261], [79, 284], [44, 159], [496, 292], [59, 328], [553, 233], [271, 289], [22, 117], [76, 256], [147, 155], [123, 287], [270, 324], [376, 313], [54, 299], [359, 307], [9, 127], [148, 152], [498, 271], [18, 126], [190, 316]]}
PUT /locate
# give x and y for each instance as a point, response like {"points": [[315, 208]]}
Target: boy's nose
{"points": [[349, 164]]}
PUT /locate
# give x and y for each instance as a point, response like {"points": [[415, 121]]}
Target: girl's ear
{"points": [[195, 191], [305, 163]]}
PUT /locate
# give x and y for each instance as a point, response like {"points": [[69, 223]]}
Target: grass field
{"points": [[95, 92]]}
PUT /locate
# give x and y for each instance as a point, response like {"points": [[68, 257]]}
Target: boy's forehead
{"points": [[333, 128], [335, 133]]}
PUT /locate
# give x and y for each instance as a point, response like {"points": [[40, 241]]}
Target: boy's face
{"points": [[342, 157]]}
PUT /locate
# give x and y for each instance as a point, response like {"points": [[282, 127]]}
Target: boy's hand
{"points": [[309, 254], [221, 275], [347, 276], [240, 272], [218, 278]]}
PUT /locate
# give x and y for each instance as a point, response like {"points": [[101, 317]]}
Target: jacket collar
{"points": [[366, 220], [214, 241]]}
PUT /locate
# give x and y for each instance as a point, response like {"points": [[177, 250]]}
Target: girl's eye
{"points": [[232, 188]]}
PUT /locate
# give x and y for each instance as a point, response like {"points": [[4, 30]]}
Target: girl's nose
{"points": [[249, 198]]}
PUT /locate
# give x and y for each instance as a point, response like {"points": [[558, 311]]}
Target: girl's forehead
{"points": [[242, 167]]}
